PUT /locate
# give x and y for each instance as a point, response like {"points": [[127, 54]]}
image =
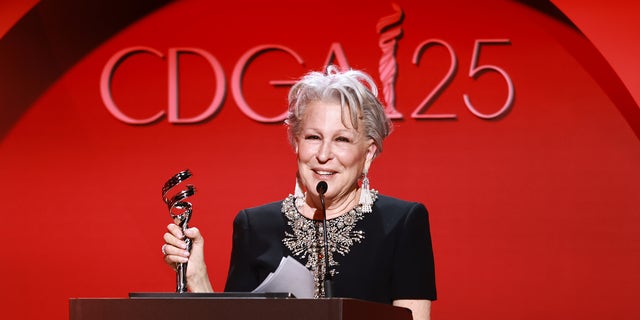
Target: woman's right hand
{"points": [[175, 252]]}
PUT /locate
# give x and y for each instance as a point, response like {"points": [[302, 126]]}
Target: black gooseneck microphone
{"points": [[322, 187]]}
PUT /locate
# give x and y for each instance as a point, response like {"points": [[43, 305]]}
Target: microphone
{"points": [[321, 188]]}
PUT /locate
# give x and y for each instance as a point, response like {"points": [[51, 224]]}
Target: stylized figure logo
{"points": [[389, 28]]}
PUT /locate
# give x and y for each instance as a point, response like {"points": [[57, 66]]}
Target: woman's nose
{"points": [[324, 152]]}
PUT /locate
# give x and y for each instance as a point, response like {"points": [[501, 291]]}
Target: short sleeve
{"points": [[414, 270]]}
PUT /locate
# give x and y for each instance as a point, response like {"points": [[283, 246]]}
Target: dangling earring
{"points": [[365, 194], [298, 193]]}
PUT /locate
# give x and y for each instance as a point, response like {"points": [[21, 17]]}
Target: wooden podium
{"points": [[231, 308]]}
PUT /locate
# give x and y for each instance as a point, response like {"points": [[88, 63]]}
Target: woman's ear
{"points": [[295, 146], [371, 150], [370, 155]]}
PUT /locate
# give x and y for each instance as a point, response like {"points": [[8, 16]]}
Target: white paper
{"points": [[290, 276]]}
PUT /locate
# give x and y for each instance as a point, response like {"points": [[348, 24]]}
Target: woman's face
{"points": [[332, 151]]}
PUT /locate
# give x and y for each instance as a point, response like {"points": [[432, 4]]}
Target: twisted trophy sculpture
{"points": [[180, 212]]}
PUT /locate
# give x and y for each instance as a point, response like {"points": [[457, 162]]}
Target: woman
{"points": [[379, 247]]}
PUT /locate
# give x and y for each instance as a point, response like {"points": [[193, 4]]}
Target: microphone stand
{"points": [[328, 283]]}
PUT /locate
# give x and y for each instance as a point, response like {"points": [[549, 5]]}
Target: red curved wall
{"points": [[532, 192]]}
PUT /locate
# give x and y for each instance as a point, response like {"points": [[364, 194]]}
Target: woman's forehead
{"points": [[328, 111]]}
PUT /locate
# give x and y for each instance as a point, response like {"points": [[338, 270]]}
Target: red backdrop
{"points": [[532, 198]]}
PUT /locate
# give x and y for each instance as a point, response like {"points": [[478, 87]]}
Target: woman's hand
{"points": [[175, 252]]}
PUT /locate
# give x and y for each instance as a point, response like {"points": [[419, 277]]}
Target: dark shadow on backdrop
{"points": [[51, 38]]}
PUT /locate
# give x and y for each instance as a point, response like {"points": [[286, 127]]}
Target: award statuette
{"points": [[180, 212]]}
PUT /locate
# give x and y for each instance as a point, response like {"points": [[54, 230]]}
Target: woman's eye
{"points": [[312, 137], [342, 139]]}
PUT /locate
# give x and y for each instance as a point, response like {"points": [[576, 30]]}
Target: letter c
{"points": [[105, 85]]}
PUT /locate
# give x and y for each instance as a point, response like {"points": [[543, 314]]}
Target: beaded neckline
{"points": [[306, 241]]}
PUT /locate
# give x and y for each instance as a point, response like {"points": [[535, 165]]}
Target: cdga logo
{"points": [[390, 30]]}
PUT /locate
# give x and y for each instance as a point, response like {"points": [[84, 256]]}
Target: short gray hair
{"points": [[353, 89]]}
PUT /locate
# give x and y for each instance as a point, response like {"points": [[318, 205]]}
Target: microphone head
{"points": [[322, 187]]}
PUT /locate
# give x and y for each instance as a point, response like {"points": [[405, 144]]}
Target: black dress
{"points": [[379, 256]]}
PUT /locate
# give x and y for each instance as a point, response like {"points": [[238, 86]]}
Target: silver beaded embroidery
{"points": [[307, 239]]}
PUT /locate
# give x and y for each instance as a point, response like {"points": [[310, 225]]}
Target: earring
{"points": [[298, 193], [365, 195]]}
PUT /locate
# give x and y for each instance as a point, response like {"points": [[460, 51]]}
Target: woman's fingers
{"points": [[171, 240], [175, 230], [174, 248]]}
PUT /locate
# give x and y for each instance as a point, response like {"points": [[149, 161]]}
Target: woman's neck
{"points": [[335, 207]]}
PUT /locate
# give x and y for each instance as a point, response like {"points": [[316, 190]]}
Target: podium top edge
{"points": [[208, 295]]}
